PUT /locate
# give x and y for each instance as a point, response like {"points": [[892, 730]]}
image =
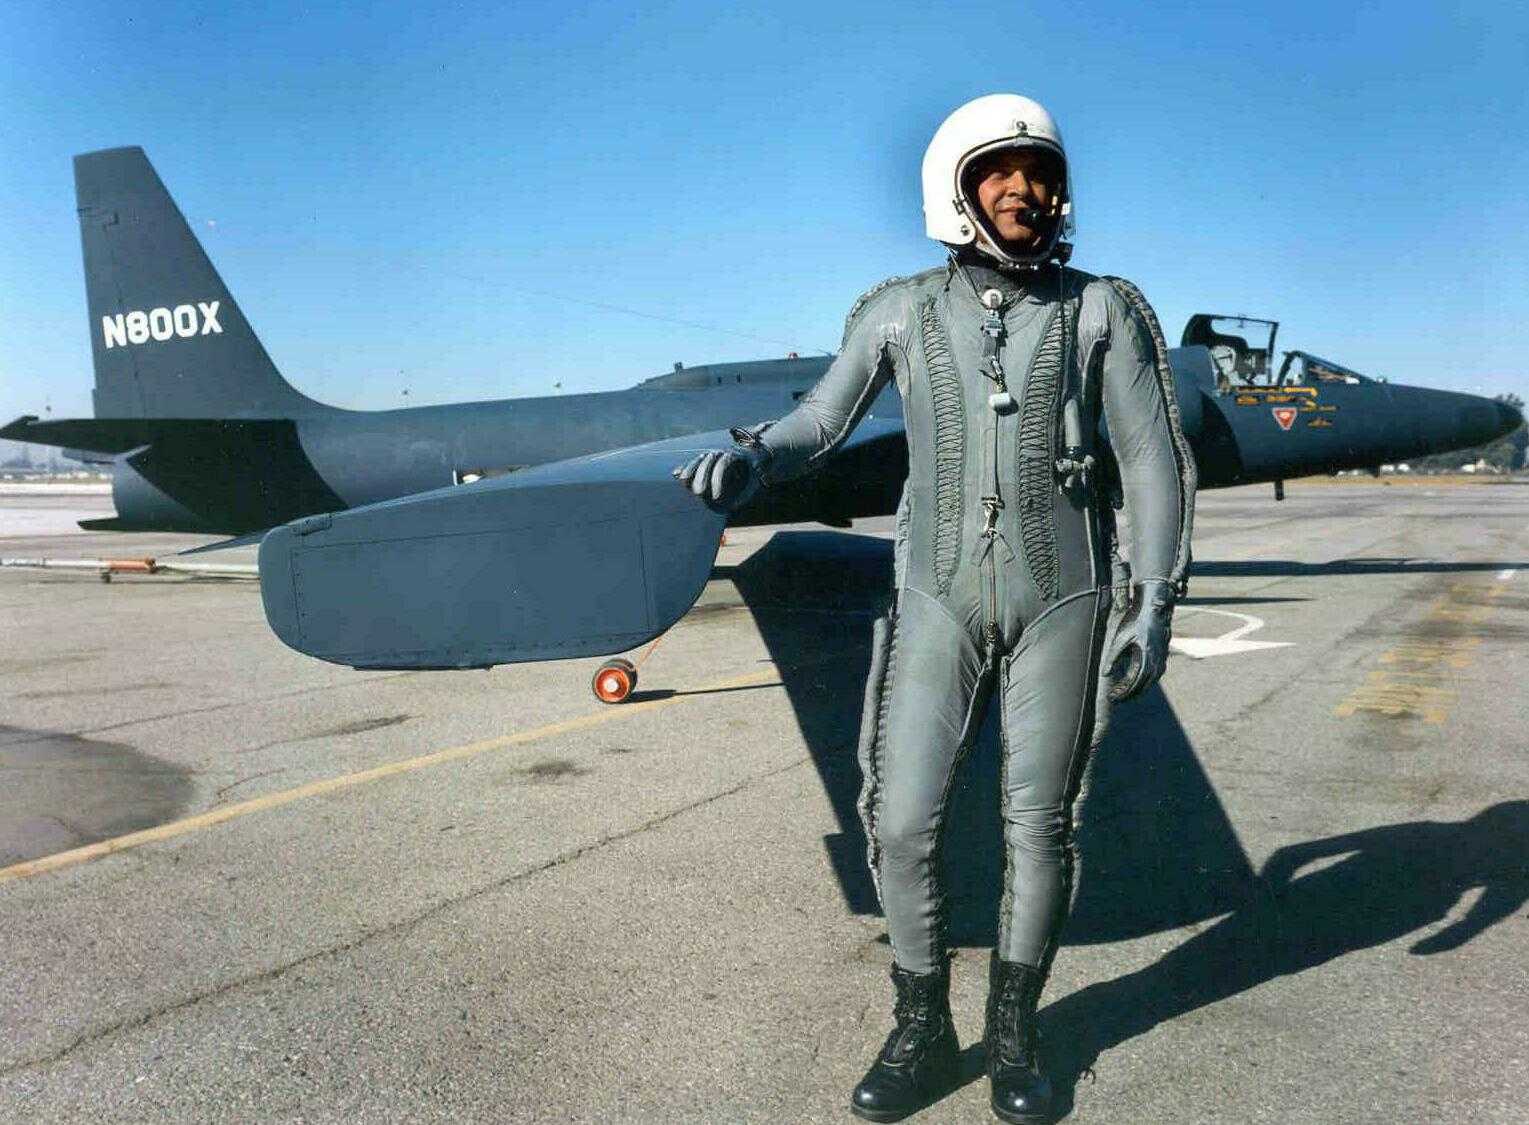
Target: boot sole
{"points": [[1021, 1118], [882, 1115], [946, 1086], [885, 1115]]}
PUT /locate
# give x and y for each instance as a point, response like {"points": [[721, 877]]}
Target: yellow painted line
{"points": [[350, 780], [1415, 682]]}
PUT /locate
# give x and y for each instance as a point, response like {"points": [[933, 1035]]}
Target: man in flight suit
{"points": [[1007, 579]]}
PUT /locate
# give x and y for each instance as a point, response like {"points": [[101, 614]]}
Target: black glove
{"points": [[724, 479], [1137, 653]]}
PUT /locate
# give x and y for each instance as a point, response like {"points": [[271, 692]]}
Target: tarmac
{"points": [[239, 884]]}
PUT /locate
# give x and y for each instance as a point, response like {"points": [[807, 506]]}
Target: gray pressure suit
{"points": [[1003, 559]]}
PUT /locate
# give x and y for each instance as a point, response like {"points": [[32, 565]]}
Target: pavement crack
{"points": [[403, 925], [217, 798], [226, 705]]}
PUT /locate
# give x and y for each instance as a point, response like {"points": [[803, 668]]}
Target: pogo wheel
{"points": [[614, 680]]}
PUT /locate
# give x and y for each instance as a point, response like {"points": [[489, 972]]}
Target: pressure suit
{"points": [[1004, 575], [1009, 584]]}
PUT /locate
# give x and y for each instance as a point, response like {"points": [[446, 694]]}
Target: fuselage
{"points": [[270, 471], [204, 434]]}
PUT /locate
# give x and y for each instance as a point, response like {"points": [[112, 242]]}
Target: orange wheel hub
{"points": [[614, 681]]}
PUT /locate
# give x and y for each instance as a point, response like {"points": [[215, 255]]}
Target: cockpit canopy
{"points": [[1305, 369], [1240, 347]]}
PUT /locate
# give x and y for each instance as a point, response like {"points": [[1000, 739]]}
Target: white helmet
{"points": [[991, 122]]}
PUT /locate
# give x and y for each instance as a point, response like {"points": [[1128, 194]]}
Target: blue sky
{"points": [[424, 199]]}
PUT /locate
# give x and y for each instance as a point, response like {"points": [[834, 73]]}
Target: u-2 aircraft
{"points": [[482, 533]]}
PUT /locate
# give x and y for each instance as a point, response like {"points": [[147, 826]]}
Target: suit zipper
{"points": [[990, 508]]}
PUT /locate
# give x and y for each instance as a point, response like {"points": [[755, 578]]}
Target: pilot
{"points": [[1008, 585]]}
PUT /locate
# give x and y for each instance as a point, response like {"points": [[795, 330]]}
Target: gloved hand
{"points": [[1137, 652], [725, 479]]}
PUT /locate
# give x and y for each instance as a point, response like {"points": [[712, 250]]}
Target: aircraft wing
{"points": [[121, 435], [583, 557]]}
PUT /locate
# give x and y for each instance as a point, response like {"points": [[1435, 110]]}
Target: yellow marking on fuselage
{"points": [[216, 816], [1275, 391]]}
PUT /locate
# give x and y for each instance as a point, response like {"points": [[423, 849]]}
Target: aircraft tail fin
{"points": [[167, 337]]}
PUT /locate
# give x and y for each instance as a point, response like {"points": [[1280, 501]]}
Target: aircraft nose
{"points": [[1447, 420], [1484, 419], [1509, 418]]}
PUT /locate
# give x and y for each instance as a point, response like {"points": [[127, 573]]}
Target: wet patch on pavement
{"points": [[61, 791], [546, 772]]}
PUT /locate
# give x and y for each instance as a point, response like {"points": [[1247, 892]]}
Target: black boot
{"points": [[920, 1059], [1021, 1091]]}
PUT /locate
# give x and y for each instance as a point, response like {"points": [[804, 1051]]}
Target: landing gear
{"points": [[614, 680]]}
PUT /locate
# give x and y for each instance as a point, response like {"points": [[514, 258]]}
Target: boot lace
{"points": [[918, 1015], [1015, 1037]]}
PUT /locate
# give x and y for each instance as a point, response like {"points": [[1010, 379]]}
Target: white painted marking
{"points": [[1504, 575], [113, 331], [1199, 648], [160, 323], [185, 320]]}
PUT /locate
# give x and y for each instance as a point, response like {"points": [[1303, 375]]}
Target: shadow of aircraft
{"points": [[813, 596], [1150, 816]]}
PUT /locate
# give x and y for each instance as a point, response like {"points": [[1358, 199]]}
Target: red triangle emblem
{"points": [[1284, 415]]}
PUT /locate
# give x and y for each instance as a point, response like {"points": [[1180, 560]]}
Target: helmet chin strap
{"points": [[988, 243]]}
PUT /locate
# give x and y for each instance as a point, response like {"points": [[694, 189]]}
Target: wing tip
{"points": [[16, 430]]}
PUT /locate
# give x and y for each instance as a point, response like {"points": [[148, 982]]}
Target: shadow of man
{"points": [[1393, 880], [1151, 815], [1158, 850]]}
